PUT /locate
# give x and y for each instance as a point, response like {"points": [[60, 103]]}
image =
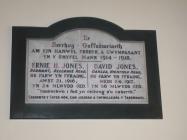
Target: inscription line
{"points": [[86, 61]]}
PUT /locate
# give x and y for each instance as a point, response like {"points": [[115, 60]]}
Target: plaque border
{"points": [[20, 110]]}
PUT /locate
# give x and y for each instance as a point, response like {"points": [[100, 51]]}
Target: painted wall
{"points": [[169, 18]]}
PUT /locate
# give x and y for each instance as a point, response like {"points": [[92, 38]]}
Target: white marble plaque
{"points": [[85, 66]]}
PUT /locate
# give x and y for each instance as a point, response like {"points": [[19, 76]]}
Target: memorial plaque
{"points": [[84, 68]]}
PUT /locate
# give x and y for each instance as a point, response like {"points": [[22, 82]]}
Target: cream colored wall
{"points": [[169, 18]]}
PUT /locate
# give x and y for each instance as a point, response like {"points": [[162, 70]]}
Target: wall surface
{"points": [[169, 18]]}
